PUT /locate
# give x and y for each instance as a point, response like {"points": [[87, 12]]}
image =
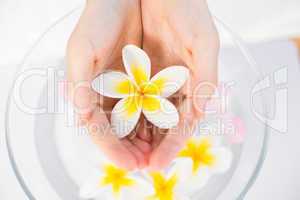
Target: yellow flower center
{"points": [[199, 152], [139, 74], [117, 178], [143, 94], [164, 188], [153, 87]]}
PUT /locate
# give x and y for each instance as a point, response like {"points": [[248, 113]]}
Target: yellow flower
{"points": [[206, 152], [200, 153], [163, 187], [207, 157], [116, 178], [170, 184], [110, 182], [140, 94]]}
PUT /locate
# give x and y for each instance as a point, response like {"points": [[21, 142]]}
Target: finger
{"points": [[140, 157], [158, 135], [145, 147], [173, 142], [204, 76], [144, 130], [80, 62], [112, 147]]}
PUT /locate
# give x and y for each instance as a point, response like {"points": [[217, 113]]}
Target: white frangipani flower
{"points": [[140, 94], [171, 183], [110, 182], [202, 157], [208, 157]]}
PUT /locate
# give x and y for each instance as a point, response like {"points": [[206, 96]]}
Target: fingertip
{"points": [[153, 168], [123, 158], [157, 164], [101, 134], [143, 165], [141, 159], [129, 165], [169, 148], [129, 161], [162, 157]]}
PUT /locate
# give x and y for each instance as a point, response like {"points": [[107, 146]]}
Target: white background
{"points": [[21, 22]]}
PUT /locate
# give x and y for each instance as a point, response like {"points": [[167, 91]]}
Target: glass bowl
{"points": [[48, 153]]}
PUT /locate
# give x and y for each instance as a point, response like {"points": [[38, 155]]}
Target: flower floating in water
{"points": [[140, 94], [189, 172], [208, 157], [171, 184], [163, 187], [110, 182]]}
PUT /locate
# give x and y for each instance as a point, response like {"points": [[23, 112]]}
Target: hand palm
{"points": [[174, 32], [181, 33], [95, 46]]}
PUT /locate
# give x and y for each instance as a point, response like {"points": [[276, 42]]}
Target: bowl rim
{"points": [[238, 42]]}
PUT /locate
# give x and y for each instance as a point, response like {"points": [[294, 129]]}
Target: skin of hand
{"points": [[181, 33], [104, 28]]}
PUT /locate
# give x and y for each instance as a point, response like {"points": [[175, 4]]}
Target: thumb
{"points": [[80, 67], [204, 79], [174, 140]]}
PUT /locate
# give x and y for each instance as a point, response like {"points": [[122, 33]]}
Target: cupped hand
{"points": [[181, 32], [104, 28]]}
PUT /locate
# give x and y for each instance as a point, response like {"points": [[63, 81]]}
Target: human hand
{"points": [[181, 32], [104, 28]]}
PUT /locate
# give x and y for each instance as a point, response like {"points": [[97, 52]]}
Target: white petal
{"points": [[195, 182], [215, 140], [91, 188], [113, 84], [140, 190], [137, 63], [109, 195], [180, 196], [183, 167], [125, 116], [170, 80], [223, 159], [166, 116]]}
